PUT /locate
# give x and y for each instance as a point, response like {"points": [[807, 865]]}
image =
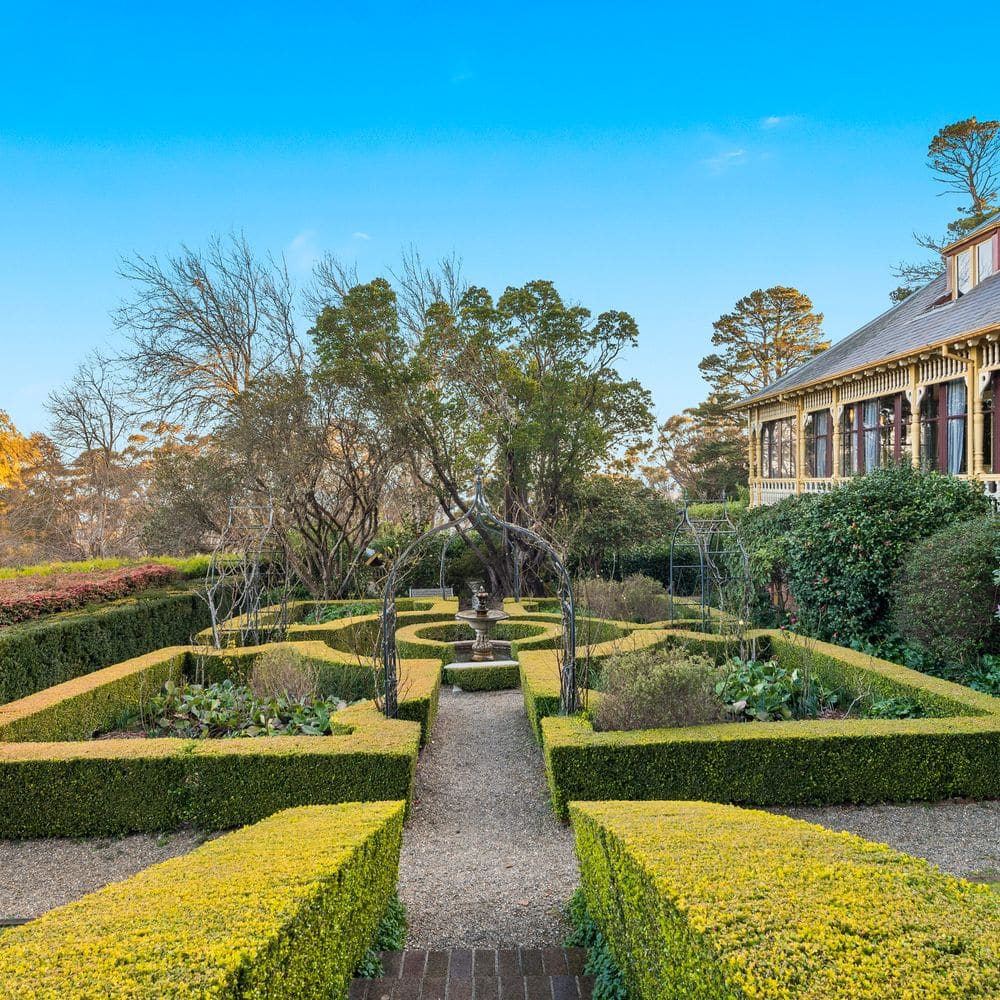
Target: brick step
{"points": [[479, 974]]}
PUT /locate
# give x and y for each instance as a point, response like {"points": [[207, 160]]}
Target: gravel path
{"points": [[485, 863], [961, 837], [36, 875]]}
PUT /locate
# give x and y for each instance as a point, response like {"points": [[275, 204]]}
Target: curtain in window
{"points": [[956, 428], [821, 423], [869, 421]]}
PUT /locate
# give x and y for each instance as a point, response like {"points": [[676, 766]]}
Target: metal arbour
{"points": [[480, 515], [708, 553]]}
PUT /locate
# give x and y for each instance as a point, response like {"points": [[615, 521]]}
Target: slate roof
{"points": [[908, 326]]}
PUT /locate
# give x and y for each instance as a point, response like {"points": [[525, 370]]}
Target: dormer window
{"points": [[972, 266], [963, 272], [984, 260]]}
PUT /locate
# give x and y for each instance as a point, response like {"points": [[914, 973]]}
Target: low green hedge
{"points": [[111, 787], [785, 763], [712, 902], [40, 654], [55, 782], [76, 709], [283, 909], [484, 677]]}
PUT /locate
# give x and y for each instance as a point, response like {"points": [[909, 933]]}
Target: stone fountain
{"points": [[482, 618]]}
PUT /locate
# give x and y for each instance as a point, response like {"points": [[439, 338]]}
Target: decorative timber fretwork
{"points": [[938, 368], [882, 383], [819, 399], [989, 354], [776, 410]]}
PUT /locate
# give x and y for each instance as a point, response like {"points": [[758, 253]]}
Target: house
{"points": [[922, 381]]}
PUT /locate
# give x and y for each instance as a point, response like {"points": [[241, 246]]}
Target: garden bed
{"points": [[55, 780], [947, 754]]}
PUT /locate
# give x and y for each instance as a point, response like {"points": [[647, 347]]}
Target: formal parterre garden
{"points": [[687, 890]]}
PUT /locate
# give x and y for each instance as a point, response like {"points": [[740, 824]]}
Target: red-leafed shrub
{"points": [[24, 598]]}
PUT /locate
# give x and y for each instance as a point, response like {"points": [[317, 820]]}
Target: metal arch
{"points": [[686, 523], [715, 557], [444, 553], [479, 512]]}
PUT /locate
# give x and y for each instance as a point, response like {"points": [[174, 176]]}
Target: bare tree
{"points": [[326, 467], [203, 327], [93, 423]]}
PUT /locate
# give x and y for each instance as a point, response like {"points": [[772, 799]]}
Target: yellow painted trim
{"points": [[832, 380]]}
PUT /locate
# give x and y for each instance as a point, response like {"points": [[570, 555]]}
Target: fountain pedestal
{"points": [[482, 619]]}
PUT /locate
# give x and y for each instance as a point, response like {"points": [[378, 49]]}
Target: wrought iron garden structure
{"points": [[479, 516]]}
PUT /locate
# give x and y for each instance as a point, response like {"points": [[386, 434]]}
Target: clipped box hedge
{"points": [[283, 909], [712, 902], [37, 655], [782, 763], [54, 782], [484, 677]]}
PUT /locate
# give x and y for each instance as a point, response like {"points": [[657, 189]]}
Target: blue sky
{"points": [[659, 161]]}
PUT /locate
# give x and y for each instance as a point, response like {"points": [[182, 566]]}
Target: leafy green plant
{"points": [[196, 711], [609, 984], [390, 936], [334, 612], [654, 688], [765, 691], [894, 708]]}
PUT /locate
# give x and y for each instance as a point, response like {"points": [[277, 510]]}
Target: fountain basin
{"points": [[482, 621]]}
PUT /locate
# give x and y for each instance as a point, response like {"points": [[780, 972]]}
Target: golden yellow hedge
{"points": [[284, 908], [712, 902]]}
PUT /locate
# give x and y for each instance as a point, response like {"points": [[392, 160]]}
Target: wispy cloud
{"points": [[725, 160], [461, 75], [303, 251], [777, 121], [360, 236]]}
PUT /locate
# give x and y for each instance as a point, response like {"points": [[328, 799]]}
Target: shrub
{"points": [[718, 903], [653, 688], [945, 594], [637, 598], [283, 909], [765, 533], [281, 672], [187, 566], [847, 545], [484, 677], [38, 655]]}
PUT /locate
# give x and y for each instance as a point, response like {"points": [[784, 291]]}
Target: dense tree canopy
{"points": [[525, 385]]}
